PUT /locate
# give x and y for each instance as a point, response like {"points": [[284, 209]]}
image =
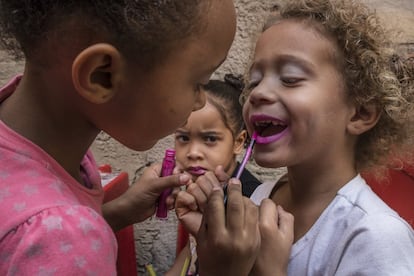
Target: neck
{"points": [[47, 116], [309, 191]]}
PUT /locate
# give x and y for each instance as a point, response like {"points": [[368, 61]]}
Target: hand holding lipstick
{"points": [[139, 201]]}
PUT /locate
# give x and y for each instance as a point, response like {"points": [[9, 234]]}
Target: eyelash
{"points": [[290, 81], [252, 85], [287, 81], [210, 139], [182, 138]]}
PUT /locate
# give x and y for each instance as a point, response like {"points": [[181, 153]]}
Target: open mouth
{"points": [[269, 130]]}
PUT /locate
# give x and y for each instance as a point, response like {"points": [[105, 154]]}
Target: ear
{"points": [[364, 118], [239, 142], [95, 72]]}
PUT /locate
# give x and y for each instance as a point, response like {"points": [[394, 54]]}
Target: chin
{"points": [[269, 162], [141, 146]]}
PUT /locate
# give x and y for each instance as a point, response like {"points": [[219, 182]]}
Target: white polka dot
{"points": [[20, 206], [53, 223]]}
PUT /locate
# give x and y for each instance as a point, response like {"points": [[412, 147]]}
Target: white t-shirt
{"points": [[357, 234]]}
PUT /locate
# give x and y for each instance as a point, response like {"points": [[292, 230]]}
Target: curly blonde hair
{"points": [[373, 73]]}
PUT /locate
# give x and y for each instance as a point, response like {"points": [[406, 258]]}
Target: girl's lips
{"points": [[272, 138], [269, 129], [197, 171]]}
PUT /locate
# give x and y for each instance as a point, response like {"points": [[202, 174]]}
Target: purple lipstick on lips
{"points": [[271, 129], [196, 171]]}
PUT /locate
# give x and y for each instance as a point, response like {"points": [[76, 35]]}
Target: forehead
{"points": [[207, 117], [292, 37]]}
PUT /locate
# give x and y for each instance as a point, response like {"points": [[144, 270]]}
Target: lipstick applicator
{"points": [[244, 161]]}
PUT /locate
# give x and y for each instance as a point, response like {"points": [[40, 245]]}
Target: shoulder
{"points": [[382, 240], [63, 239], [262, 191], [265, 189]]}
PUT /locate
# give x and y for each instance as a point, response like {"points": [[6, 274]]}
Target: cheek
{"points": [[180, 155], [226, 155], [246, 116], [245, 111]]}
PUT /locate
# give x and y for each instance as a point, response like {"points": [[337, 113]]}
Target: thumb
{"points": [[286, 221], [171, 181], [221, 175]]}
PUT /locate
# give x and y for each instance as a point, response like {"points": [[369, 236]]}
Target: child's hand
{"points": [[228, 241], [139, 201], [191, 203], [187, 211], [276, 231]]}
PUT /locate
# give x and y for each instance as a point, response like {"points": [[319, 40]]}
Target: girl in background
{"points": [[213, 136]]}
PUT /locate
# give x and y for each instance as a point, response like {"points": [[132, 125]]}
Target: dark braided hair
{"points": [[224, 96], [142, 30]]}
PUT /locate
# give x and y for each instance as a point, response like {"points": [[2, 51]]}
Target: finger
{"points": [[207, 182], [170, 200], [201, 198], [186, 211], [171, 181], [221, 175], [251, 222], [235, 212], [286, 221], [214, 215], [184, 202], [268, 216]]}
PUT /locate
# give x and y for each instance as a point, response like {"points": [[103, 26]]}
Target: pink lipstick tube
{"points": [[168, 165]]}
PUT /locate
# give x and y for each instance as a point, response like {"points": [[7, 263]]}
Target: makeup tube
{"points": [[168, 165]]}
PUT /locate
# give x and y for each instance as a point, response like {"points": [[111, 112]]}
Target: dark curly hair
{"points": [[373, 72], [142, 30]]}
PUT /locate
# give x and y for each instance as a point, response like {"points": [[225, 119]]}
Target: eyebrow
{"points": [[203, 133], [181, 131], [210, 133], [282, 60]]}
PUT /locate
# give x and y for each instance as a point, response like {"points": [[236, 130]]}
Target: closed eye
{"points": [[291, 81]]}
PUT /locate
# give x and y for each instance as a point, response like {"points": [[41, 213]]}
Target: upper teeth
{"points": [[266, 123]]}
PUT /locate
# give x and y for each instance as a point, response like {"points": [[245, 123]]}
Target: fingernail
{"points": [[234, 181], [184, 178]]}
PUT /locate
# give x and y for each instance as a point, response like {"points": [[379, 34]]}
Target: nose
{"points": [[194, 151], [262, 94], [200, 100]]}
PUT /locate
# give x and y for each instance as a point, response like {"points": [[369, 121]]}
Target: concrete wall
{"points": [[155, 240]]}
